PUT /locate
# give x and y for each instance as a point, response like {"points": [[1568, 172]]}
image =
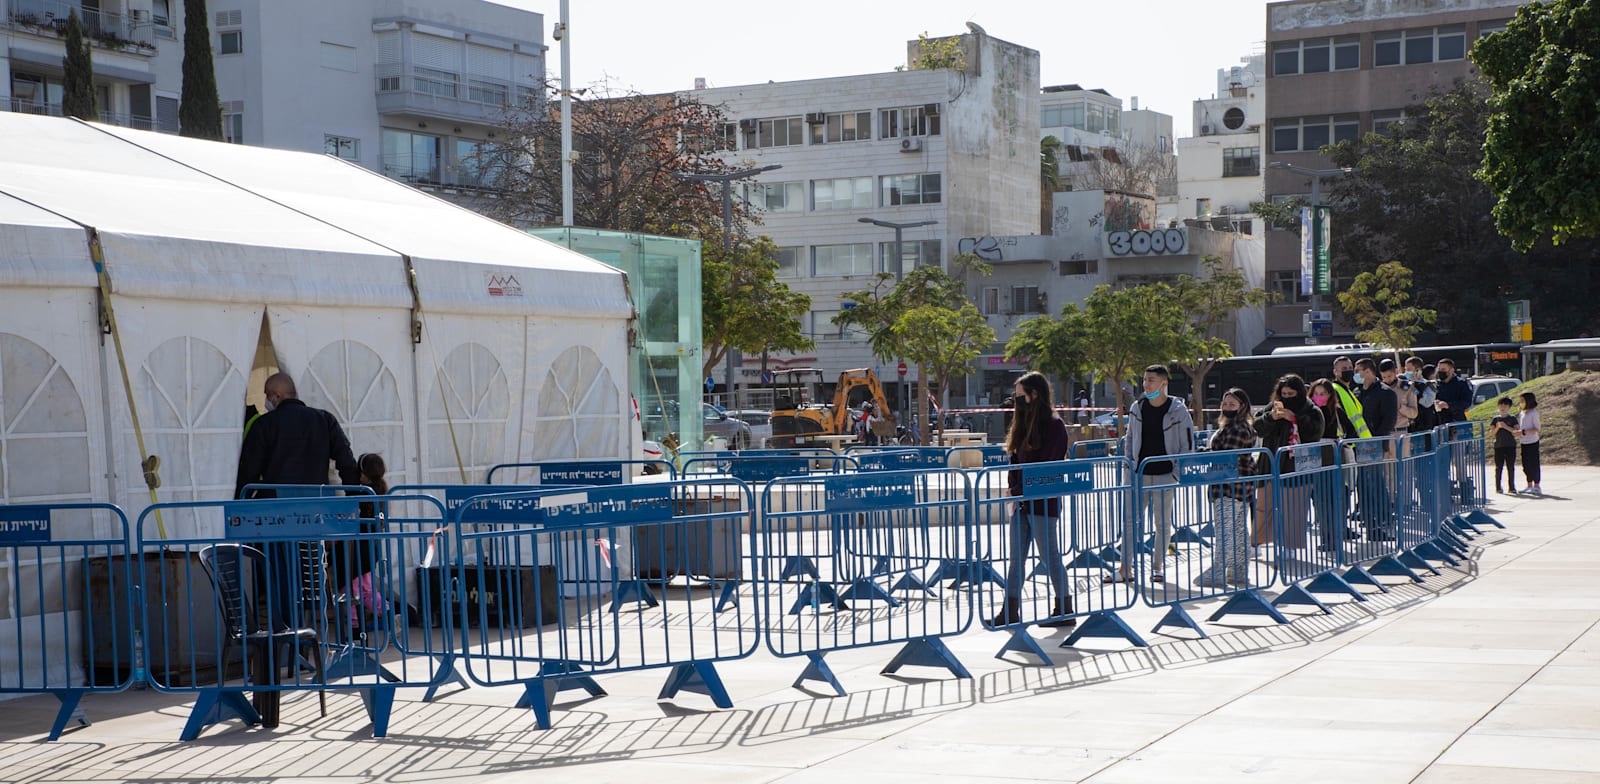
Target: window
{"points": [[728, 136], [1309, 134], [1291, 199], [233, 123], [822, 326], [1202, 208], [1417, 47], [1079, 267], [841, 194], [903, 189], [776, 196], [161, 13], [1382, 120], [991, 300], [341, 147], [166, 113], [835, 260], [909, 121], [842, 127], [338, 56], [411, 156], [789, 262], [779, 132], [477, 164], [1286, 284], [432, 81], [1316, 55], [1241, 161], [1062, 115], [1026, 299], [487, 92], [230, 42], [1096, 114], [1490, 28], [913, 254]]}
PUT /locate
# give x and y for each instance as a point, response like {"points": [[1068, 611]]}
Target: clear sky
{"points": [[1166, 52]]}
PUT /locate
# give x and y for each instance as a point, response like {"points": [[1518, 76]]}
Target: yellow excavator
{"points": [[798, 416]]}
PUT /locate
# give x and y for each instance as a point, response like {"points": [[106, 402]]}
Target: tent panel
{"points": [[38, 248], [578, 383], [470, 375]]}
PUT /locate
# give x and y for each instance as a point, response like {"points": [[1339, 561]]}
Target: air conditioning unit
{"points": [[816, 118], [930, 108], [1205, 130], [140, 15], [1225, 209], [748, 126], [911, 145]]}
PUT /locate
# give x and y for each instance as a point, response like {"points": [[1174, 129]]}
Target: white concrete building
{"points": [[1097, 134], [412, 88], [1219, 169], [958, 148]]}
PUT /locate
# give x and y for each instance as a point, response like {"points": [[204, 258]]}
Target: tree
{"points": [[745, 306], [1210, 304], [1137, 169], [935, 53], [1379, 302], [77, 85], [1542, 148], [926, 319], [199, 109], [1049, 182], [1114, 335]]}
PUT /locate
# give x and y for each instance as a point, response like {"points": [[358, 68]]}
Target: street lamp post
{"points": [[1317, 176], [727, 179], [899, 270]]}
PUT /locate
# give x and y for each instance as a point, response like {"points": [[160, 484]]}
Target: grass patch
{"points": [[1569, 412]]}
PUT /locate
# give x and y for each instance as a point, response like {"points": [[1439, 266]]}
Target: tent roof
{"points": [[41, 248]]}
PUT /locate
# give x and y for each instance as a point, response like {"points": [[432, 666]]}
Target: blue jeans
{"points": [[1040, 530]]}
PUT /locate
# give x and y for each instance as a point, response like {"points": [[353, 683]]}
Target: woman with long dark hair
{"points": [[1037, 435], [1230, 502], [1290, 419]]}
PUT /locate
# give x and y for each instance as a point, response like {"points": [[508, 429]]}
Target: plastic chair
{"points": [[225, 565]]}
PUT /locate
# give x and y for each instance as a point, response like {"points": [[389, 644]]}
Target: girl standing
{"points": [[1528, 434], [1230, 503], [1037, 435]]}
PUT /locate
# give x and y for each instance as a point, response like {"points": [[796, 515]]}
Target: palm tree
{"points": [[1049, 181]]}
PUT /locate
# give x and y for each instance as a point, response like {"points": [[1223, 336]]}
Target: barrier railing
{"points": [[585, 472], [850, 561], [1074, 516], [573, 532], [898, 458], [1302, 524], [1371, 541], [74, 631], [1098, 447], [765, 468], [268, 596], [1465, 445]]}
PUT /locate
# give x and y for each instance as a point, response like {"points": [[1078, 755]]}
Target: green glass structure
{"points": [[664, 282]]}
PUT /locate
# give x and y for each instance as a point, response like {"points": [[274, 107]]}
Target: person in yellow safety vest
{"points": [[1344, 374]]}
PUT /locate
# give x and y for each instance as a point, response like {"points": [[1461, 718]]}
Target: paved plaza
{"points": [[1489, 672]]}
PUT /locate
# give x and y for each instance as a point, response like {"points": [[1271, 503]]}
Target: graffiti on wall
{"points": [[1128, 213], [986, 248]]}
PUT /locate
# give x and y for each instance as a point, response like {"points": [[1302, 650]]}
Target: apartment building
{"points": [[1097, 133], [958, 149], [1219, 168], [410, 88], [1338, 69]]}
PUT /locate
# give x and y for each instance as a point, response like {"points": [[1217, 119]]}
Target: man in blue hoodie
{"points": [[1158, 425]]}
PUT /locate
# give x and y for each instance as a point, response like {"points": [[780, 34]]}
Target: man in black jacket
{"points": [[292, 444]]}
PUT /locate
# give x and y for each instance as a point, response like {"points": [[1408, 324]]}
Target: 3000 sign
{"points": [[1146, 242]]}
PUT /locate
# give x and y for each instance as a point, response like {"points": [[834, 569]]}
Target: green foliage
{"points": [[1050, 164], [1379, 302], [745, 306], [1114, 335], [1281, 215], [1412, 198], [1210, 304], [77, 89], [1542, 150], [936, 53], [199, 109]]}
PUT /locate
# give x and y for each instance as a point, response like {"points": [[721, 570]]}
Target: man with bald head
{"points": [[293, 443]]}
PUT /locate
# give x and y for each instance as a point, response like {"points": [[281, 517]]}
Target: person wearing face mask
{"points": [[1379, 407], [1037, 435], [1405, 396], [1230, 502], [1158, 425], [292, 444], [1344, 389], [1325, 505], [1454, 394], [1288, 420]]}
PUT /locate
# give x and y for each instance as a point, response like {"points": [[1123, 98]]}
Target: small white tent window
{"points": [[44, 435], [350, 380], [580, 414], [194, 406], [470, 387]]}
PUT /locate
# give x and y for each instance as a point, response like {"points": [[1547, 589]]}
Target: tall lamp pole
{"points": [[899, 271], [564, 35], [1317, 176], [727, 179]]}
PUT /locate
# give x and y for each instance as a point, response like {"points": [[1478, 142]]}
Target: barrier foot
{"points": [[911, 582], [881, 566], [554, 677], [1110, 554], [1433, 552], [1248, 602], [1295, 595], [635, 590], [1023, 642], [379, 701], [350, 662], [1480, 517], [863, 588], [1391, 566], [1209, 530], [69, 711], [1358, 575], [818, 670], [927, 652], [699, 677], [1188, 535], [1331, 582], [1466, 523], [974, 573], [1459, 529], [1412, 559], [814, 594], [446, 675], [1448, 540], [214, 705], [727, 595], [1105, 624], [1177, 616], [1087, 559], [799, 566]]}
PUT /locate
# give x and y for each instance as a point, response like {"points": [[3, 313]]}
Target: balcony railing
{"points": [[424, 169], [1241, 167], [23, 106], [404, 89], [115, 31]]}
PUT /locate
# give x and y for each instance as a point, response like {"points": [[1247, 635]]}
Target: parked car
{"points": [[719, 424], [760, 423], [1492, 387]]}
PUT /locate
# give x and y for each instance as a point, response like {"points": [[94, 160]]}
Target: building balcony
{"points": [[429, 172], [426, 92], [103, 28], [23, 106]]}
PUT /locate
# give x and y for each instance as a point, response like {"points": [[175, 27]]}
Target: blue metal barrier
{"points": [[990, 455], [1371, 535], [584, 472], [765, 468], [898, 458], [1465, 446], [70, 564], [849, 561], [1099, 447], [1306, 531], [581, 535], [306, 491], [1073, 514], [264, 586]]}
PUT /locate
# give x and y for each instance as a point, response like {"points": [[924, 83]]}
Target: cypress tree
{"points": [[77, 94], [199, 109]]}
